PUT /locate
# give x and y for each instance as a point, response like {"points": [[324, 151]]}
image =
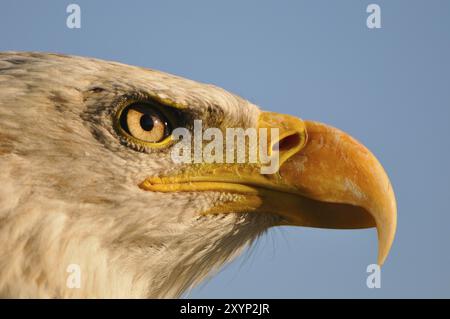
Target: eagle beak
{"points": [[341, 185], [326, 179]]}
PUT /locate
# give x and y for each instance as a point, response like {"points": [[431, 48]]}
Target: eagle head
{"points": [[88, 178]]}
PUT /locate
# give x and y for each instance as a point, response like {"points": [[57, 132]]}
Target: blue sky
{"points": [[388, 87]]}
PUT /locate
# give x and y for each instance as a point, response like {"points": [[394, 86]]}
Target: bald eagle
{"points": [[86, 178]]}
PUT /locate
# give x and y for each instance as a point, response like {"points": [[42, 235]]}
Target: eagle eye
{"points": [[145, 123]]}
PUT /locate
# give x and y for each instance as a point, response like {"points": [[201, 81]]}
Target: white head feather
{"points": [[69, 190]]}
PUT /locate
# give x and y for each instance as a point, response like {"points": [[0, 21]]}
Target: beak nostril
{"points": [[287, 142]]}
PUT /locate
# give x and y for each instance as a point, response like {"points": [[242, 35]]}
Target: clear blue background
{"points": [[390, 88]]}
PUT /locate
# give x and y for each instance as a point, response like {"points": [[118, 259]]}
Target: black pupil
{"points": [[146, 122]]}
